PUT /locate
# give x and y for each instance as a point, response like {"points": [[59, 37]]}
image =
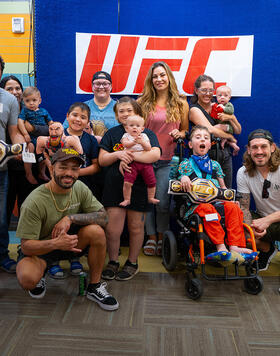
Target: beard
{"points": [[55, 140], [261, 162], [59, 182]]}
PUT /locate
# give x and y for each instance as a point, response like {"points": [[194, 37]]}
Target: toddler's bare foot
{"points": [[221, 247], [240, 249], [31, 179], [153, 201], [125, 203], [44, 177], [235, 151]]}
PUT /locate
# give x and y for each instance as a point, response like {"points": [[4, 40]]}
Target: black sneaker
{"points": [[266, 257], [103, 298], [129, 271], [40, 290], [111, 270]]}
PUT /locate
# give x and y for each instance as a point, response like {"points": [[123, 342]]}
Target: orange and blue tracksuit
{"points": [[233, 214]]}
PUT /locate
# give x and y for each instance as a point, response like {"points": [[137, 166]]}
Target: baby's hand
{"points": [[138, 139]]}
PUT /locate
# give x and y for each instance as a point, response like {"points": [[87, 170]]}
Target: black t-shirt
{"points": [[90, 152], [89, 145], [113, 186]]}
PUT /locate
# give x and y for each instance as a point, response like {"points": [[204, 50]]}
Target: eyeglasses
{"points": [[206, 91], [105, 85], [266, 186]]}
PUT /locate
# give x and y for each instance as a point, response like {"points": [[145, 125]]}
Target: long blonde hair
{"points": [[147, 101]]}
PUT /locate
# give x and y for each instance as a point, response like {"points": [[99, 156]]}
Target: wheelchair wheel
{"points": [[194, 288], [253, 285], [169, 250]]}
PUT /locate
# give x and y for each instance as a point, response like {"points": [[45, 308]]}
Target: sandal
{"points": [[150, 248], [8, 265], [56, 272], [159, 248], [76, 268]]}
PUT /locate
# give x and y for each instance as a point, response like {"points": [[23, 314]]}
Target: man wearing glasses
{"points": [[260, 176]]}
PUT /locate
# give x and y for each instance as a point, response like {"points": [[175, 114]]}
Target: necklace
{"points": [[55, 204]]}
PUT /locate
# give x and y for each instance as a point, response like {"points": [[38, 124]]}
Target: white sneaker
{"points": [[40, 290]]}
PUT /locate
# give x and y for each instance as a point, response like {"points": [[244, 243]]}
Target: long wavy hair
{"points": [[147, 101], [273, 162]]}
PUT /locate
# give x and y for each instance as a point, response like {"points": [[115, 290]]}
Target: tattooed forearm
{"points": [[245, 207], [99, 218]]}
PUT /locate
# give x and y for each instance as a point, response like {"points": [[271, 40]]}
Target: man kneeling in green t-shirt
{"points": [[60, 219]]}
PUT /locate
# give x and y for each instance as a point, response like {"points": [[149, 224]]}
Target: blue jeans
{"points": [[157, 220], [4, 234]]}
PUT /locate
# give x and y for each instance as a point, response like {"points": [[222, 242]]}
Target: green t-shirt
{"points": [[38, 214]]}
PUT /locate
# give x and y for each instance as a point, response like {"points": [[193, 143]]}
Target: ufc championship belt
{"points": [[203, 191], [8, 151]]}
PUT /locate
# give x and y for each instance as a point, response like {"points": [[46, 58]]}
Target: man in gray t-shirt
{"points": [[9, 110], [260, 177]]}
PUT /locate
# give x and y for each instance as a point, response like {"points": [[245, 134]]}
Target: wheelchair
{"points": [[190, 243]]}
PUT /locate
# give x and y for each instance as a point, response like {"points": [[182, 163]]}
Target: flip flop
{"points": [[150, 248]]}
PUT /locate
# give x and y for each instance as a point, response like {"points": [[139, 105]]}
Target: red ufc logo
{"points": [[128, 59]]}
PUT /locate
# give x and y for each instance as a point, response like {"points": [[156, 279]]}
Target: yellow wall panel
{"points": [[7, 18], [6, 22], [16, 58], [14, 47], [20, 41], [9, 34], [13, 50]]}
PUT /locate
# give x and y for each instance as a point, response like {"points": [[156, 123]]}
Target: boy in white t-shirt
{"points": [[260, 176]]}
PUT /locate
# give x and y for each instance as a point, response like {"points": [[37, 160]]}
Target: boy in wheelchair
{"points": [[201, 166]]}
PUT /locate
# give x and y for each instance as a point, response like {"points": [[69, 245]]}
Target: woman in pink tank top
{"points": [[166, 113]]}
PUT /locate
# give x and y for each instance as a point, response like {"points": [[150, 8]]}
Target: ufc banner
{"points": [[228, 60]]}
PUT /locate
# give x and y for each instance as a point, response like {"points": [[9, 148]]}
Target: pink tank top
{"points": [[156, 123]]}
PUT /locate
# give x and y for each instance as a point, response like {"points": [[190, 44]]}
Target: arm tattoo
{"points": [[99, 217], [245, 207]]}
